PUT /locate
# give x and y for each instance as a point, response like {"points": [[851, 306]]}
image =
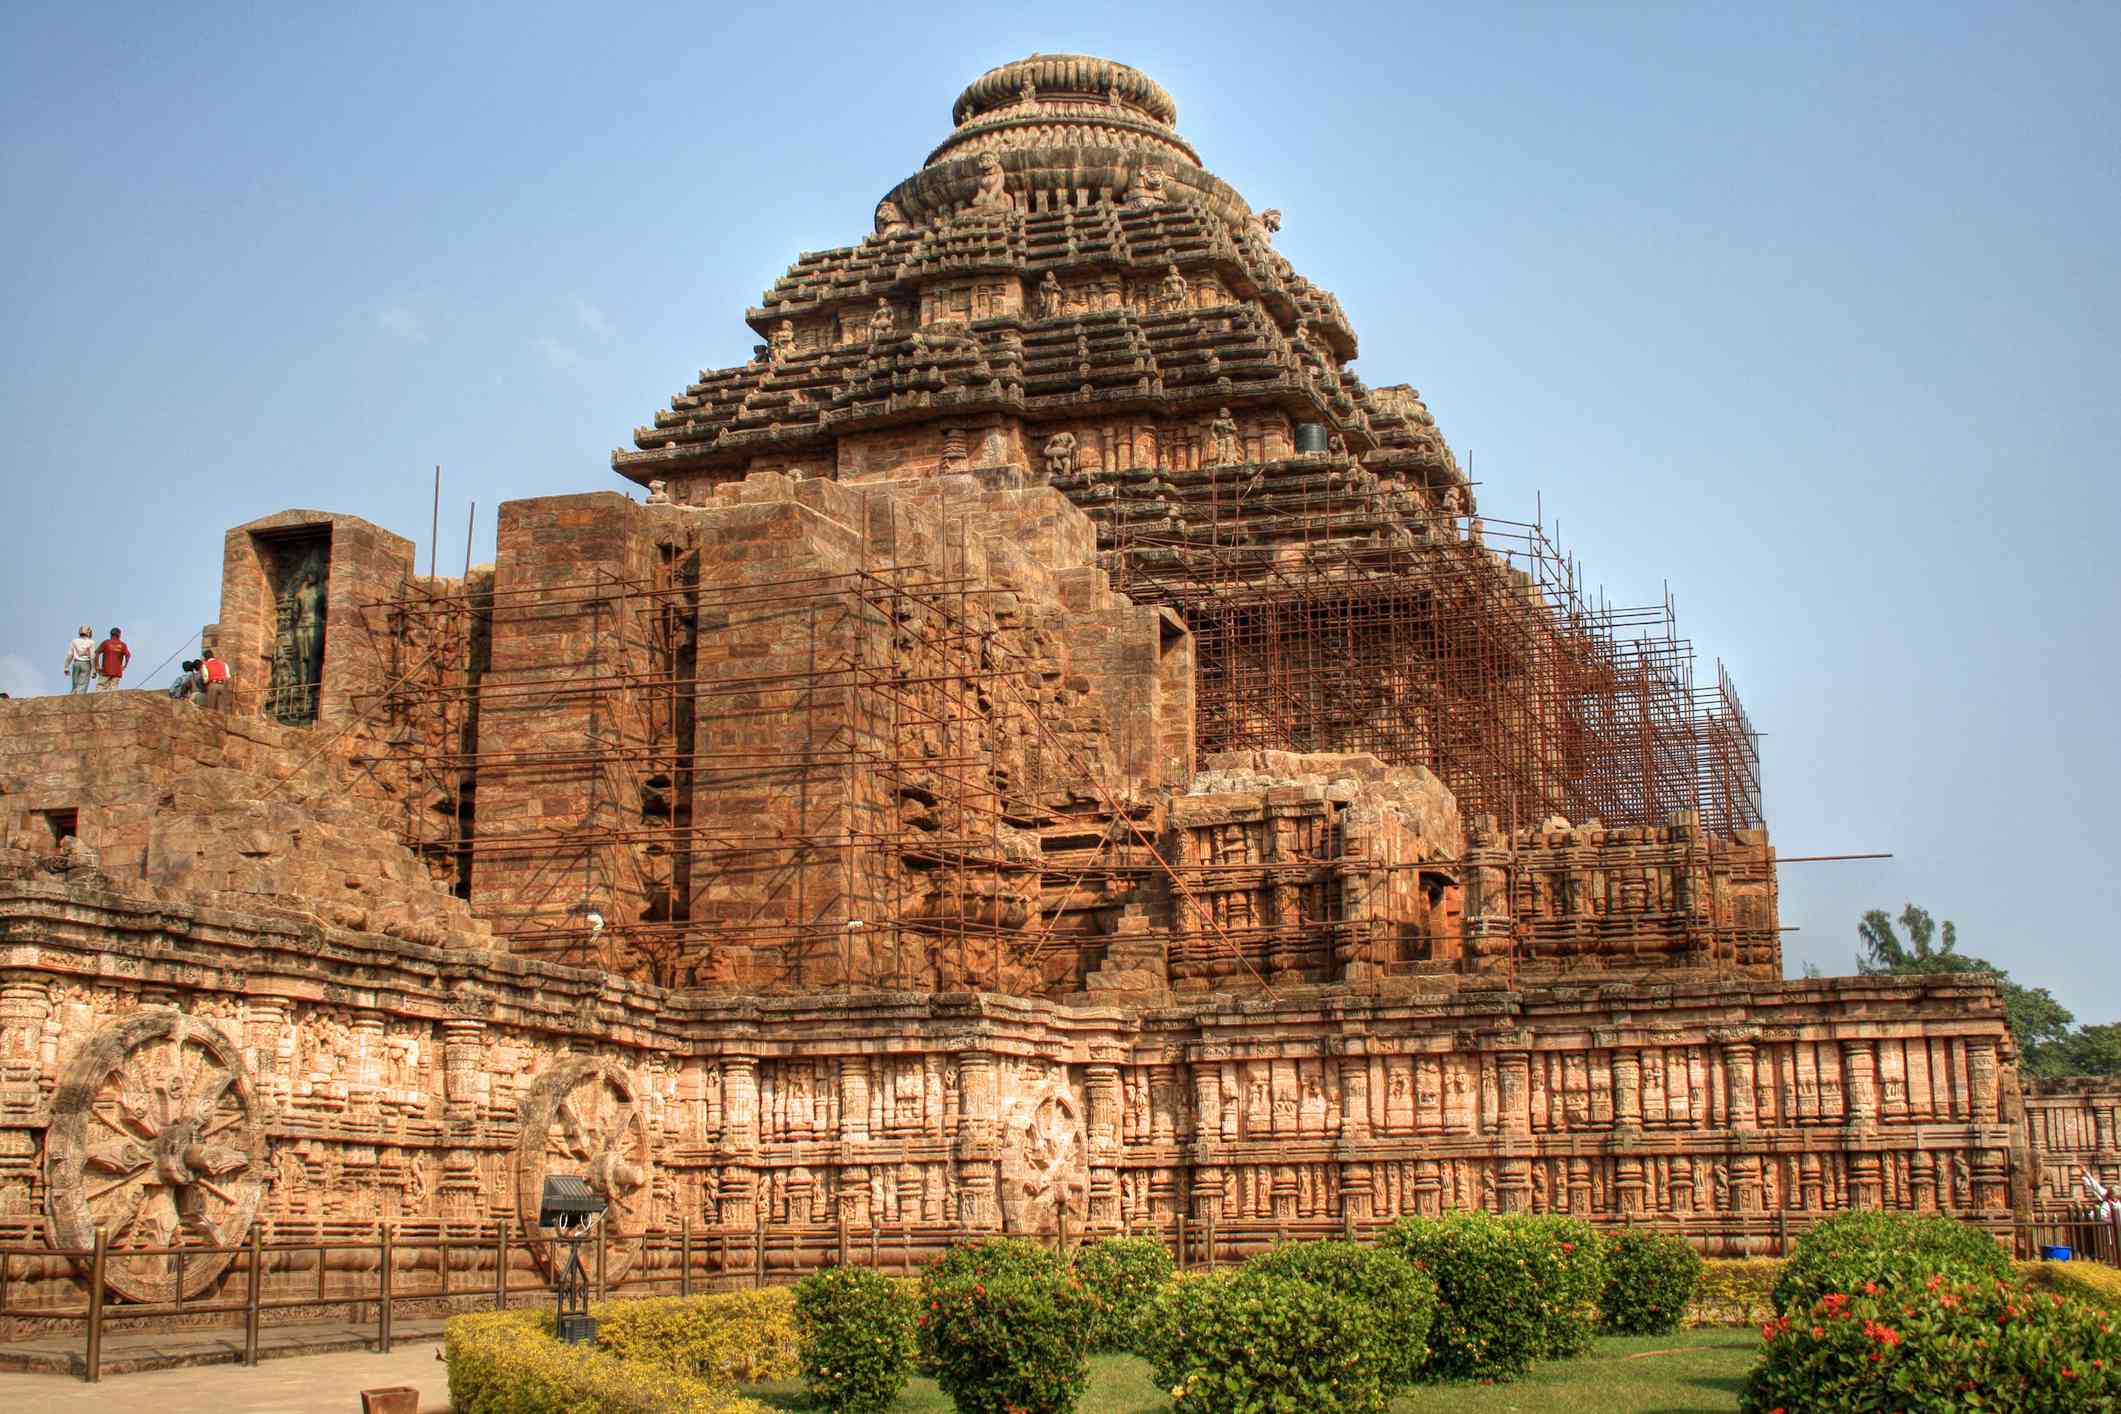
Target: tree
{"points": [[2040, 1024]]}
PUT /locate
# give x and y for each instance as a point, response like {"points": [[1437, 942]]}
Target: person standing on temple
{"points": [[80, 661], [214, 673], [112, 655]]}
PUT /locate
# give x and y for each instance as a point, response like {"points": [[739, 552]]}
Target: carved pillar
{"points": [[854, 1101], [1630, 1186], [364, 1088], [1355, 1098], [1981, 1079], [269, 1049], [1991, 1179], [1866, 1180], [1627, 1089], [1207, 1102], [1738, 1076], [740, 1103], [1859, 1062], [25, 1002], [466, 1088], [2103, 1128], [1101, 1081], [978, 1142], [1514, 1091]]}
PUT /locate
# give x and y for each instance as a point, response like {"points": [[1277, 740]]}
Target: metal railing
{"points": [[493, 1266]]}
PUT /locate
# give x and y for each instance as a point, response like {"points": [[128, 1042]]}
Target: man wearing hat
{"points": [[80, 661]]}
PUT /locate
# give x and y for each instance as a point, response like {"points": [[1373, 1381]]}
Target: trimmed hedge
{"points": [[1735, 1291], [1012, 1343], [1122, 1275], [508, 1362], [1889, 1250], [728, 1338], [1938, 1344], [1649, 1281], [1251, 1342], [1490, 1319], [2091, 1282], [856, 1328], [1400, 1294]]}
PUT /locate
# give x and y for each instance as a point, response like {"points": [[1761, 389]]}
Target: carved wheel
{"points": [[155, 1138], [583, 1117]]}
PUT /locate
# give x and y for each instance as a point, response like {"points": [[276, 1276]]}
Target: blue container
{"points": [[2055, 1254]]}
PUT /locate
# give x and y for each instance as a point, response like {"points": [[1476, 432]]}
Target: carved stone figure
{"points": [[991, 193], [583, 1117], [889, 218], [1222, 439], [783, 340], [1060, 455], [1174, 288], [658, 493], [1044, 1161], [1145, 188], [1051, 298], [883, 322]]}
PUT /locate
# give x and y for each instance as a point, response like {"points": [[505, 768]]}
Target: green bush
{"points": [[1490, 1318], [1938, 1344], [2091, 1282], [979, 1261], [1571, 1279], [1254, 1343], [1735, 1291], [856, 1329], [1650, 1279], [731, 1338], [1122, 1275], [507, 1362], [1891, 1250], [1402, 1296], [1012, 1343]]}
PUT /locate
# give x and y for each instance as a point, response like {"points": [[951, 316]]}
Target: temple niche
{"points": [[1043, 743]]}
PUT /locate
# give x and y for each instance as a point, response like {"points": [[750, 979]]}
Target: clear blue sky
{"points": [[1807, 310]]}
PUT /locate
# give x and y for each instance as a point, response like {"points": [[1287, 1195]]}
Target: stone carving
{"points": [[658, 493], [1146, 188], [1045, 1161], [583, 1117], [1051, 299], [783, 340], [889, 219], [298, 642], [1060, 455], [1174, 288], [155, 1138], [1222, 439], [991, 194], [883, 322]]}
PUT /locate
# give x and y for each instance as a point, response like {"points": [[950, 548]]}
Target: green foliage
{"points": [[2091, 1282], [1402, 1296], [1650, 1278], [1015, 1342], [1491, 1318], [507, 1362], [980, 1261], [1892, 1251], [736, 1337], [1570, 1285], [1253, 1342], [2040, 1024], [856, 1329], [1122, 1275], [1938, 1344], [1735, 1291]]}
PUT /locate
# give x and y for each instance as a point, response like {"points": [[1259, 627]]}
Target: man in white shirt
{"points": [[80, 661]]}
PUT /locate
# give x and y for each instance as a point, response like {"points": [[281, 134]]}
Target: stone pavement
{"points": [[296, 1384]]}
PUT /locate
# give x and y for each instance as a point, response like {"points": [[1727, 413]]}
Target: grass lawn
{"points": [[1690, 1372]]}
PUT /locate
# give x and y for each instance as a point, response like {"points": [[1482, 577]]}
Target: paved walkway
{"points": [[294, 1384]]}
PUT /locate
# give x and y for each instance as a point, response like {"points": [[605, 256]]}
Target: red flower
{"points": [[2068, 1373], [1870, 1288]]}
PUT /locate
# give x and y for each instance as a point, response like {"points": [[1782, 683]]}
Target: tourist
{"points": [[190, 684], [80, 666], [112, 655], [215, 674]]}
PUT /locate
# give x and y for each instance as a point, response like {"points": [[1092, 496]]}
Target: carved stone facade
{"points": [[831, 840]]}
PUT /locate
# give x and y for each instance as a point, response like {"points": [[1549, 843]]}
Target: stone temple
{"points": [[1051, 745]]}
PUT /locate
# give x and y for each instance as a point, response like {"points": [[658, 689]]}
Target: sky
{"points": [[1804, 312]]}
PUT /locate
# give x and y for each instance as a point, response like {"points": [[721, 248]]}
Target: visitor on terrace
{"points": [[80, 666], [190, 685], [112, 655]]}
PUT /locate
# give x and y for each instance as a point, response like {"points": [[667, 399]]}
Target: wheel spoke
{"points": [[209, 1092], [217, 1160], [217, 1190], [123, 1157], [224, 1123], [577, 1143], [114, 1186], [131, 1215]]}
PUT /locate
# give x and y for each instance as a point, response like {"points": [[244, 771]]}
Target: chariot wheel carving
{"points": [[1045, 1164], [156, 1138], [583, 1117]]}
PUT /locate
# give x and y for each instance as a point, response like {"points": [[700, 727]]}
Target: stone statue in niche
{"points": [[1146, 188], [1051, 297], [298, 640], [1222, 439], [1175, 287], [783, 340], [1060, 455], [658, 493], [882, 323]]}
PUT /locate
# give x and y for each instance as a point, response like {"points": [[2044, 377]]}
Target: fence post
{"points": [[1210, 1224], [383, 1295], [685, 1255], [1782, 1232], [500, 1266], [758, 1250], [843, 1233], [1181, 1241], [94, 1372], [1061, 1218], [601, 1229], [250, 1304]]}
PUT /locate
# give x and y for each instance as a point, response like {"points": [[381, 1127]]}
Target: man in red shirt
{"points": [[214, 673], [112, 655]]}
